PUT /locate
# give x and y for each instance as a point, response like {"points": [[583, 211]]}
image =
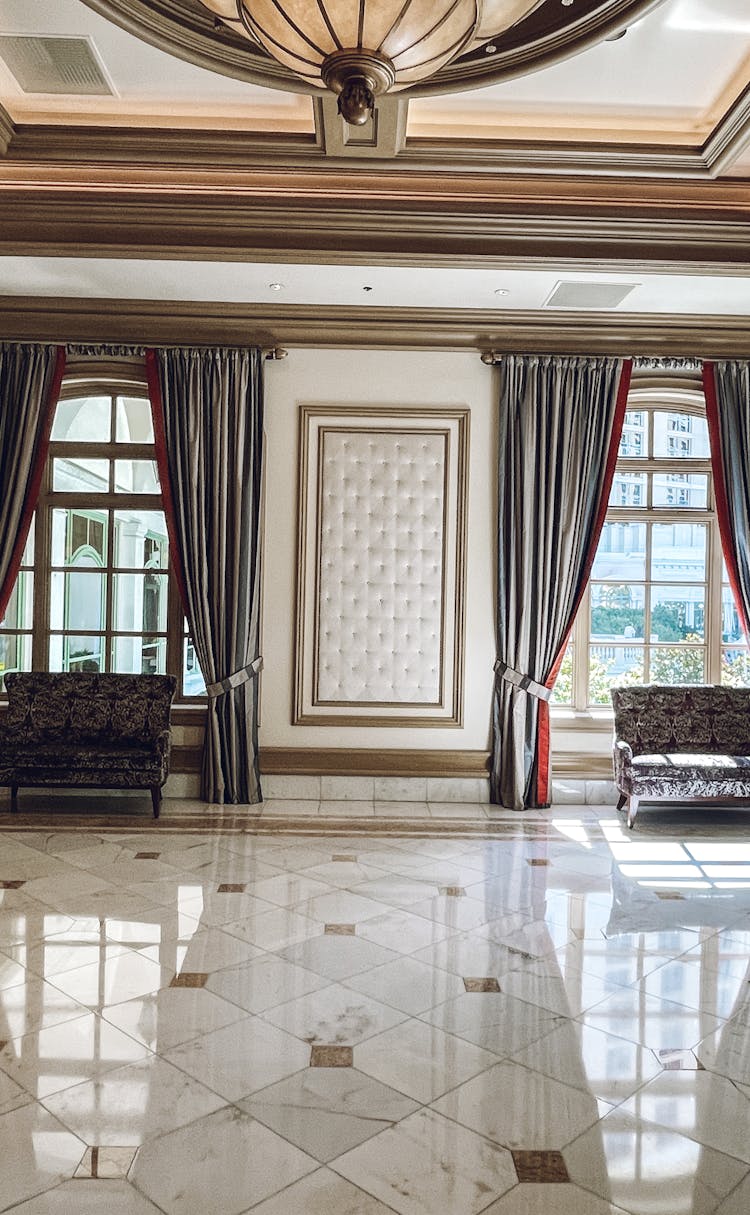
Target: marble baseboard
{"points": [[567, 792]]}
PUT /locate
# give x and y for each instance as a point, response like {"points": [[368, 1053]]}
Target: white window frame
{"points": [[112, 385], [652, 399]]}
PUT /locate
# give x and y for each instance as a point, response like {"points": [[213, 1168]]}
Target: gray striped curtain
{"points": [[30, 378], [560, 423], [727, 388], [208, 424]]}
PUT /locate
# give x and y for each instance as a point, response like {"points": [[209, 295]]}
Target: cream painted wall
{"points": [[372, 378]]}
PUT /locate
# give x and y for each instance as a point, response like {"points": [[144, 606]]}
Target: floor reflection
{"points": [[377, 1023]]}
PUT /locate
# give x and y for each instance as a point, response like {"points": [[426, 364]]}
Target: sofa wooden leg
{"points": [[632, 810], [621, 801], [13, 798], [156, 799]]}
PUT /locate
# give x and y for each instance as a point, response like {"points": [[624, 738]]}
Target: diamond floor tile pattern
{"points": [[231, 1021]]}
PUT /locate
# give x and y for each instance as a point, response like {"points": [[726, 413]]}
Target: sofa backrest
{"points": [[87, 707], [704, 718]]}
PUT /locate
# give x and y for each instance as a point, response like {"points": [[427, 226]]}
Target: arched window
{"points": [[96, 591], [658, 608]]}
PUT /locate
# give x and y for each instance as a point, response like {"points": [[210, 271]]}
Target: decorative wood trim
{"points": [[730, 138], [364, 217], [334, 761], [25, 318], [185, 758], [581, 766], [7, 131], [198, 150]]}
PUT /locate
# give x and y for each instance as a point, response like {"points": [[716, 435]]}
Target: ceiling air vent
{"points": [[588, 295], [54, 65]]}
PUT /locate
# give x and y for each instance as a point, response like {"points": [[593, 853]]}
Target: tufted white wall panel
{"points": [[381, 566]]}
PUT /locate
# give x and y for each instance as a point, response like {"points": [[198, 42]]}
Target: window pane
{"points": [[80, 476], [634, 438], [677, 664], [79, 537], [76, 653], [680, 436], [15, 654], [139, 655], [140, 540], [735, 667], [617, 612], [629, 489], [621, 554], [83, 420], [28, 552], [133, 420], [611, 665], [562, 693], [19, 613], [687, 491], [136, 477], [193, 683], [78, 600], [678, 613], [139, 603], [678, 552], [731, 628]]}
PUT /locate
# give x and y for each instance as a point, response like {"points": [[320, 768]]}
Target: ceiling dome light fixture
{"points": [[362, 48]]}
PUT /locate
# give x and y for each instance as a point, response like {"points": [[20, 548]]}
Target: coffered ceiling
{"points": [[627, 162]]}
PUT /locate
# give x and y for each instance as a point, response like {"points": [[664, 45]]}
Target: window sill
{"points": [[586, 720]]}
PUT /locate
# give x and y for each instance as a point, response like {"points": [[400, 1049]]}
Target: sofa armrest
{"points": [[622, 753], [163, 744]]}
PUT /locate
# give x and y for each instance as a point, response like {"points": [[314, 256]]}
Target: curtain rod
{"points": [[640, 362]]}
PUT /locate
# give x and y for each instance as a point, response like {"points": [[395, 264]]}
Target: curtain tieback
{"points": [[524, 682], [236, 679]]}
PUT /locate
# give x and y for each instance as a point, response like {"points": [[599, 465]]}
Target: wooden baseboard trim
{"points": [[365, 762], [339, 761]]}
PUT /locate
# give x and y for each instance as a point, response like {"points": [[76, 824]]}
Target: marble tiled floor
{"points": [[538, 1014]]}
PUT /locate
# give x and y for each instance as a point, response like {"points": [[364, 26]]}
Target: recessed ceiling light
{"points": [[276, 286], [490, 48], [502, 291]]}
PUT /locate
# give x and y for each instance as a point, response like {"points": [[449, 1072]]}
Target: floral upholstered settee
{"points": [[681, 742], [86, 730]]}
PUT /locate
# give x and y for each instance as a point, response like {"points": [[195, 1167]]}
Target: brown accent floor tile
{"points": [[540, 1166], [679, 1060], [669, 894], [340, 930], [232, 888], [536, 861], [453, 892], [12, 885], [189, 978], [332, 1056], [147, 856], [106, 1162], [484, 984], [344, 856]]}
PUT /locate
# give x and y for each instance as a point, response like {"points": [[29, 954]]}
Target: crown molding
{"points": [[7, 131], [90, 147], [341, 216], [729, 138], [167, 322]]}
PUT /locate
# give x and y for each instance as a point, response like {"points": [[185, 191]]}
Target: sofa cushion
{"points": [[25, 758], [691, 766], [657, 718]]}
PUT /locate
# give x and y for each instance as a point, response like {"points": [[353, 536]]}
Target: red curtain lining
{"points": [[162, 461], [543, 731], [720, 489], [35, 479]]}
